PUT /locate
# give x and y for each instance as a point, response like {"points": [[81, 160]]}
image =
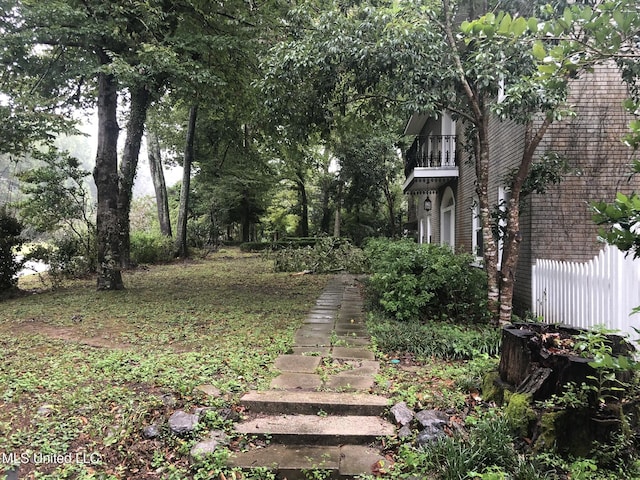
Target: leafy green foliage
{"points": [[411, 281], [66, 256], [437, 339], [151, 248], [222, 322], [10, 230], [327, 255], [489, 450], [620, 222]]}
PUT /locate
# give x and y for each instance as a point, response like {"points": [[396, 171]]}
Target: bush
{"points": [[327, 255], [10, 230], [411, 281], [289, 242], [151, 248], [435, 339], [67, 256]]}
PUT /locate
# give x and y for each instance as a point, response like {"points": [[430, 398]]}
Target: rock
{"points": [[151, 431], [429, 435], [402, 414], [432, 419], [210, 444], [404, 432], [45, 410], [168, 400], [209, 390], [433, 422], [182, 422], [202, 411]]}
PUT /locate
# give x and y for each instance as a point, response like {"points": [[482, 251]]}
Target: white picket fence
{"points": [[602, 291]]}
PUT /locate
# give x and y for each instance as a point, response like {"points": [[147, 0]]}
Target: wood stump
{"points": [[539, 359]]}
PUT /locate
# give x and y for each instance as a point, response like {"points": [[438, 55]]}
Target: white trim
{"points": [[502, 92], [503, 197], [476, 226], [448, 218]]}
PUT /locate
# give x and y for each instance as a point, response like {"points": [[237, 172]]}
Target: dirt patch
{"points": [[68, 334]]}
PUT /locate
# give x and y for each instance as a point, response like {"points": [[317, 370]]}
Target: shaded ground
{"points": [[82, 372]]}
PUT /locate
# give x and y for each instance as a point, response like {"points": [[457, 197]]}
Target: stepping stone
{"points": [[323, 313], [317, 430], [350, 383], [296, 381], [304, 339], [311, 351], [294, 462], [362, 367], [291, 462], [310, 403], [297, 363], [358, 460], [346, 352], [349, 341], [319, 320], [350, 329], [316, 328]]}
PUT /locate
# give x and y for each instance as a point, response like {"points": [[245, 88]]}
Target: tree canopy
{"points": [[283, 91]]}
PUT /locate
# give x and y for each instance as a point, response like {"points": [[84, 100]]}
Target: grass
{"points": [[83, 371]]}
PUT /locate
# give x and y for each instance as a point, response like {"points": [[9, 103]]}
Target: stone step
{"points": [[295, 462], [317, 429], [312, 403]]}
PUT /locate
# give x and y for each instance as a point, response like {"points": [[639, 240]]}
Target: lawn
{"points": [[83, 372]]}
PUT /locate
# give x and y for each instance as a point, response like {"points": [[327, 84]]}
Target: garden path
{"points": [[318, 413]]}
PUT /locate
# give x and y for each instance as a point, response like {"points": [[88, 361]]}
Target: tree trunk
{"points": [[140, 99], [304, 206], [478, 117], [336, 223], [490, 247], [105, 175], [245, 218], [159, 185], [181, 235], [511, 244], [325, 222]]}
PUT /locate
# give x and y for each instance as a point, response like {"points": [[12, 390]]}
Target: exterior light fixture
{"points": [[427, 205]]}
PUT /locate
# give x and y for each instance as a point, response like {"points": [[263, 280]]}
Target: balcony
{"points": [[431, 161]]}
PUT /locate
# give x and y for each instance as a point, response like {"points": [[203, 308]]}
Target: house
{"points": [[557, 225]]}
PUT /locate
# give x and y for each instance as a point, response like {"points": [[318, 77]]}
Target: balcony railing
{"points": [[433, 151]]}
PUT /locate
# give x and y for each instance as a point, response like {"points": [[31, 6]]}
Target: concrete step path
{"points": [[319, 413]]}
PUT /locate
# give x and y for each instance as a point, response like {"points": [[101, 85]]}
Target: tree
{"points": [[78, 52], [181, 247], [421, 58], [57, 198], [323, 86], [10, 230], [159, 184]]}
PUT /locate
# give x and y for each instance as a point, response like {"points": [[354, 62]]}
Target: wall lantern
{"points": [[427, 205]]}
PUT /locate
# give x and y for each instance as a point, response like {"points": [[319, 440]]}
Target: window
{"points": [[448, 219], [477, 242], [503, 198], [501, 89]]}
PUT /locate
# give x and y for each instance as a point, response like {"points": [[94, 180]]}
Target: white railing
{"points": [[602, 291]]}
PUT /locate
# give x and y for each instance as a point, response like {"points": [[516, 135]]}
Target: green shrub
{"points": [[10, 230], [68, 255], [150, 248], [285, 243], [327, 255], [411, 281], [434, 339]]}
